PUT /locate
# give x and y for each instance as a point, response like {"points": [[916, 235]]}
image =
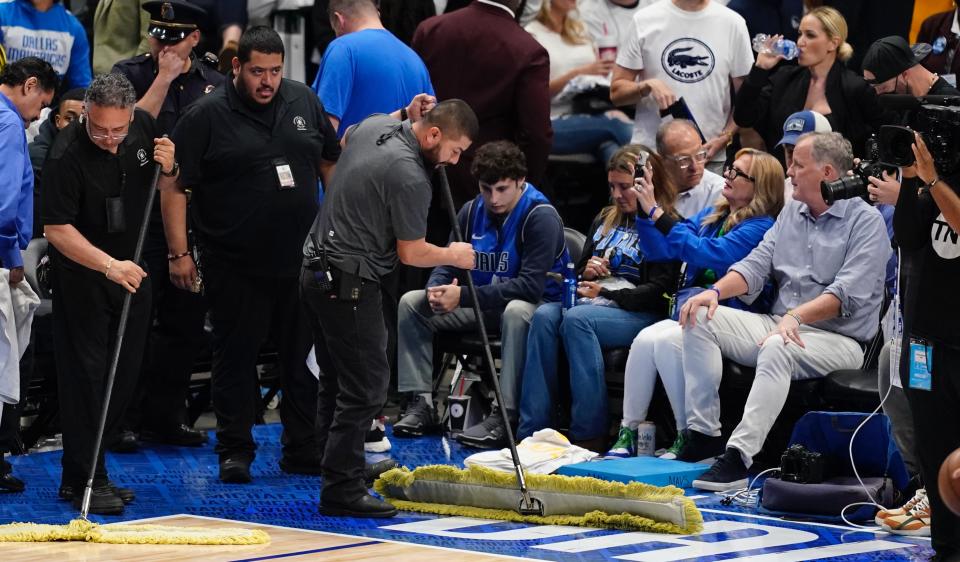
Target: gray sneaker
{"points": [[488, 434], [420, 419]]}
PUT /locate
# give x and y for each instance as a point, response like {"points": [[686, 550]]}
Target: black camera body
{"points": [[797, 464], [936, 118]]}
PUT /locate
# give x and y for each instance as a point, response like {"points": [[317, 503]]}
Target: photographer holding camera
{"points": [[926, 223]]}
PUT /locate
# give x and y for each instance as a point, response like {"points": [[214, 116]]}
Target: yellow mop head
{"points": [[568, 500], [82, 530]]}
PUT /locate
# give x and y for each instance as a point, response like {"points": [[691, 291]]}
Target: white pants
{"points": [[734, 334], [656, 349]]}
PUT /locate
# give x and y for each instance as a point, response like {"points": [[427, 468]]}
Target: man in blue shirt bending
{"points": [[26, 87], [366, 70]]}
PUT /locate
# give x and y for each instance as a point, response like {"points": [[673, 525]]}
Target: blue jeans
{"points": [[586, 330], [599, 135]]}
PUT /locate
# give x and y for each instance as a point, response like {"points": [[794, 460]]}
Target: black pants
{"points": [[351, 347], [936, 418], [175, 342], [10, 418], [87, 313], [244, 310]]}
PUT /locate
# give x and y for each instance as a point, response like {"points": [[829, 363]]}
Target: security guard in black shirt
{"points": [[251, 155], [167, 80]]}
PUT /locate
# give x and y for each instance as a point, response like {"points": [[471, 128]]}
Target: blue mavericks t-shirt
{"points": [[55, 36], [367, 72]]}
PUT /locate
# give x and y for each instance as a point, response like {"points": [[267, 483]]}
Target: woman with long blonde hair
{"points": [[620, 294], [819, 82], [708, 244], [575, 67]]}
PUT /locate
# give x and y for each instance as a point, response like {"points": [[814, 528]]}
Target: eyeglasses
{"points": [[684, 161], [102, 134], [733, 172]]}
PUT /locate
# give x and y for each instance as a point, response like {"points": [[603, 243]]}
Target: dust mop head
{"points": [[490, 494], [81, 530]]}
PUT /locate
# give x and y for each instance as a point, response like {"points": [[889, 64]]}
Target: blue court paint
{"points": [[170, 480], [314, 551]]}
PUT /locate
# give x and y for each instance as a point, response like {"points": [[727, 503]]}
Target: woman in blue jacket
{"points": [[621, 293], [708, 244]]}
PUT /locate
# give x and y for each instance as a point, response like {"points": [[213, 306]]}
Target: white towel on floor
{"points": [[17, 306], [542, 453]]}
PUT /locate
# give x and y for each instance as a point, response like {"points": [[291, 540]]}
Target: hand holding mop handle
{"points": [[528, 505], [115, 357]]}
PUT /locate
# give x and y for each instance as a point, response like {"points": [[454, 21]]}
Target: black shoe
{"points": [[366, 506], [180, 436], [373, 471], [420, 419], [103, 501], [67, 492], [235, 469], [125, 442], [10, 483], [698, 447], [728, 473], [491, 433], [308, 464]]}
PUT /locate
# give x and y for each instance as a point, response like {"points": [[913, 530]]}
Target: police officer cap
{"points": [[172, 20]]}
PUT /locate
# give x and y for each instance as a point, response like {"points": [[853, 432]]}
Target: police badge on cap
{"points": [[172, 20]]}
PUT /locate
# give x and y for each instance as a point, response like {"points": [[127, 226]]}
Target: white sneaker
{"points": [[376, 440], [915, 523], [902, 510]]}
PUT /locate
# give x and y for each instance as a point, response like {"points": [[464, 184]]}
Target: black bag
{"points": [[593, 101]]}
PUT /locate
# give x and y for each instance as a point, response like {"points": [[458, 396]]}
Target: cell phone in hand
{"points": [[639, 169]]}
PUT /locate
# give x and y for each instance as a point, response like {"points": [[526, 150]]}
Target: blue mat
{"points": [[171, 480]]}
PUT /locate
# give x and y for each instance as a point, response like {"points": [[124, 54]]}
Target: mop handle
{"points": [[482, 328], [115, 357]]}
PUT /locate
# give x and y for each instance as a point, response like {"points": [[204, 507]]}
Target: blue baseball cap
{"points": [[803, 122]]}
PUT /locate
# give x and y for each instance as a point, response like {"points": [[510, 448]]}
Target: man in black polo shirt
{"points": [[95, 183], [167, 80], [351, 246], [251, 153]]}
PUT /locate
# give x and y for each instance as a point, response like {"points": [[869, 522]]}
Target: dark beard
{"points": [[247, 97], [432, 155]]}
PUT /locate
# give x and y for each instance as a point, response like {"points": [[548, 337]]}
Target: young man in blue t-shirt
{"points": [[518, 239], [366, 70], [46, 30]]}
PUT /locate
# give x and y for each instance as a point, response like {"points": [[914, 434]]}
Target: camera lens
{"points": [[843, 188]]}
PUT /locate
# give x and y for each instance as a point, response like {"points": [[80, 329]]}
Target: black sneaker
{"points": [[700, 448], [420, 419], [103, 500], [67, 492], [376, 440], [181, 435], [235, 469], [488, 434], [124, 441], [728, 473]]}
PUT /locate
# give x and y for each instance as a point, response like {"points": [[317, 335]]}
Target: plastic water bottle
{"points": [[784, 47], [569, 287]]}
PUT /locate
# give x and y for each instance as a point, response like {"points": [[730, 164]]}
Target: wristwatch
{"points": [[173, 172]]}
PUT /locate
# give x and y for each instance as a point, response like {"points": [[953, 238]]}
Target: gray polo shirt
{"points": [[842, 252], [379, 194]]}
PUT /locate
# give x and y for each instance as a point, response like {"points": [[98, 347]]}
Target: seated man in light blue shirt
{"points": [[828, 264]]}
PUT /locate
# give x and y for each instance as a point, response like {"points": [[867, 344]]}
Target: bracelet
{"points": [[653, 210], [106, 271], [403, 114], [175, 257], [795, 316], [933, 183], [715, 290], [173, 171]]}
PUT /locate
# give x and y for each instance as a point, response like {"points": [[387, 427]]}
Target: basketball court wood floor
{"points": [[296, 545]]}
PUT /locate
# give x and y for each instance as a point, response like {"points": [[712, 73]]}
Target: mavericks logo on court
{"points": [[688, 60], [945, 241]]}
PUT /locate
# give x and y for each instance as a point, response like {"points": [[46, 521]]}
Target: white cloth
{"points": [[542, 453], [695, 54], [606, 22], [701, 196], [17, 306], [564, 57], [734, 334]]}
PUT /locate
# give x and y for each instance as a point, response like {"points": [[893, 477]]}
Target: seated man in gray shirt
{"points": [[518, 238], [678, 141], [828, 264]]}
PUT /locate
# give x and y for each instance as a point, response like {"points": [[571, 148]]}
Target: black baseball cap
{"points": [[890, 56], [172, 20]]}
